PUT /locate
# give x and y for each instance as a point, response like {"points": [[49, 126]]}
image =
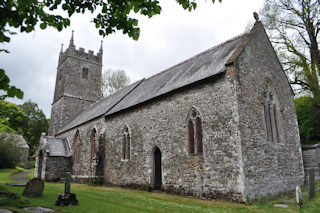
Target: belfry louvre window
{"points": [[126, 143], [271, 112], [85, 73], [194, 129]]}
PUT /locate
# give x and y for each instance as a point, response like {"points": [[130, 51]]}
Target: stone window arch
{"points": [[126, 143], [194, 130], [76, 148], [93, 139], [272, 114]]}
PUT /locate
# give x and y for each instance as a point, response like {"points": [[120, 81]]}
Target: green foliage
{"points": [[9, 154], [35, 122], [308, 118], [32, 163], [11, 117], [10, 91], [111, 15], [26, 119], [293, 27], [5, 126]]}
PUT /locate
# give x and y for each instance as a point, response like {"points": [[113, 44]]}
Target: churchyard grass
{"points": [[112, 199]]}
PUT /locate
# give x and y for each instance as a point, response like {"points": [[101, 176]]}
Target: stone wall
{"points": [[311, 159], [162, 123], [57, 167], [269, 167]]}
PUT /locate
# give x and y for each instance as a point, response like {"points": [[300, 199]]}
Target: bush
{"points": [[9, 153], [308, 114]]}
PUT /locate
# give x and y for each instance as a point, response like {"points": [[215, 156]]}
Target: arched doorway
{"points": [[40, 159], [157, 174]]}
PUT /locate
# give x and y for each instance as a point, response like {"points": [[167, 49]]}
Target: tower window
{"points": [[85, 72]]}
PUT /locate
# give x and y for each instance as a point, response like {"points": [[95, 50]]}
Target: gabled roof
{"points": [[55, 147], [204, 65]]}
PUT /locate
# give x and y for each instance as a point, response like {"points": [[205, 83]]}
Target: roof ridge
{"points": [[199, 54]]}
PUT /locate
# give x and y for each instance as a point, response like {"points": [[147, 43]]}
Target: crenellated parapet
{"points": [[80, 54]]}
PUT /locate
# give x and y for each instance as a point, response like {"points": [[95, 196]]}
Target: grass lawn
{"points": [[111, 199]]}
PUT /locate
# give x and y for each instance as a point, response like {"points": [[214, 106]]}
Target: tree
{"points": [[35, 122], [113, 80], [11, 117], [26, 119], [9, 91], [293, 26], [309, 124], [111, 15]]}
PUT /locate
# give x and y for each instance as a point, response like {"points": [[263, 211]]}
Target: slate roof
{"points": [[57, 147], [18, 140], [21, 142], [204, 65]]}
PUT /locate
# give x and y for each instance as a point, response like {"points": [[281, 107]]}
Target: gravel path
{"points": [[21, 176]]}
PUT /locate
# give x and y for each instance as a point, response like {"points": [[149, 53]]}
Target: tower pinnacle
{"points": [[71, 44], [101, 47], [61, 48]]}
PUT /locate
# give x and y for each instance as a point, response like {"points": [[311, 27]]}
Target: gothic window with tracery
{"points": [[271, 111], [194, 129], [126, 143]]}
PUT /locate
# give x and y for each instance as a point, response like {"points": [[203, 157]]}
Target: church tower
{"points": [[78, 84]]}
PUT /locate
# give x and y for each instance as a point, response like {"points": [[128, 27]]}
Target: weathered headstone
{"points": [[67, 198], [299, 197], [34, 188], [311, 184]]}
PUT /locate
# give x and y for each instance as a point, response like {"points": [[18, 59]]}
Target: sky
{"points": [[165, 40]]}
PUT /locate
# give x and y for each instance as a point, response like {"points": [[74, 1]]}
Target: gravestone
{"points": [[67, 198], [67, 183], [34, 188], [299, 197], [311, 184]]}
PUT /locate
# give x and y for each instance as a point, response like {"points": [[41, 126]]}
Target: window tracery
{"points": [[194, 129]]}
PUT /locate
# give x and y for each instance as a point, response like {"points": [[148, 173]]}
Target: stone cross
{"points": [[67, 183], [311, 184]]}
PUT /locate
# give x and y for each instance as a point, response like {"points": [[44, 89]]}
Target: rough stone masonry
{"points": [[220, 125]]}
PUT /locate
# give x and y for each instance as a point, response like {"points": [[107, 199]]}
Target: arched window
{"points": [[194, 129], [271, 115], [76, 148], [126, 143], [93, 145]]}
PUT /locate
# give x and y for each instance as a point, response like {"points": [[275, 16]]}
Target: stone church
{"points": [[221, 124]]}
